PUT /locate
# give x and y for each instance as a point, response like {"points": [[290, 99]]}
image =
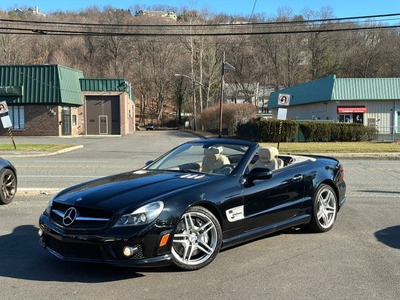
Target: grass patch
{"points": [[345, 147], [34, 147], [329, 147]]}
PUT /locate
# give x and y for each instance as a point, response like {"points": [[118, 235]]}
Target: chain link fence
{"points": [[389, 133]]}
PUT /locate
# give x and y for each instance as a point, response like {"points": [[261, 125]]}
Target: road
{"points": [[106, 155], [358, 259], [99, 156]]}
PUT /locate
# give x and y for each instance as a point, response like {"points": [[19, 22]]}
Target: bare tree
{"points": [[11, 52], [281, 56], [161, 56]]}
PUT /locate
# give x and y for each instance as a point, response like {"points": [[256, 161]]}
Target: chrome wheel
{"points": [[197, 239], [325, 209], [8, 186]]}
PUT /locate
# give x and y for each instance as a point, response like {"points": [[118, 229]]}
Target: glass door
{"points": [[103, 124]]}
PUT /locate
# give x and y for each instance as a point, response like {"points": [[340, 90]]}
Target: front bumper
{"points": [[105, 248]]}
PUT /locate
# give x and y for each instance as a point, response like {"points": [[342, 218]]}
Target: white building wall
{"points": [[384, 111]]}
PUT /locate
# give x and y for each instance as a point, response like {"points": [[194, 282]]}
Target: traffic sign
{"points": [[284, 99], [3, 107]]}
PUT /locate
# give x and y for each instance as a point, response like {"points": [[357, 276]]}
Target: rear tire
{"points": [[197, 239], [325, 207]]}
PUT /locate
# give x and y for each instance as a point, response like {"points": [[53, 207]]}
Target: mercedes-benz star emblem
{"points": [[70, 216]]}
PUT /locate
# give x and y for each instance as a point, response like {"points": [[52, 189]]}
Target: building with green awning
{"points": [[54, 100], [374, 102]]}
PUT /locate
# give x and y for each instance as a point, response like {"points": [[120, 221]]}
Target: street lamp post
{"points": [[194, 82], [225, 66]]}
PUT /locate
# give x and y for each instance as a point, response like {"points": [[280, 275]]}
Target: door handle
{"points": [[297, 177]]}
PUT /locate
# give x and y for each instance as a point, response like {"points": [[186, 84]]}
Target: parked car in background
{"points": [[193, 201], [8, 180], [150, 126]]}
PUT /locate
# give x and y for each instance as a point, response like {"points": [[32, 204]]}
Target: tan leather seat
{"points": [[213, 159], [268, 158]]}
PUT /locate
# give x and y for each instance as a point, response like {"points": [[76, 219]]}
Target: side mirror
{"points": [[148, 162], [258, 174]]}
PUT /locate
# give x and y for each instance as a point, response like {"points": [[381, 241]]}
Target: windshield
{"points": [[216, 158]]}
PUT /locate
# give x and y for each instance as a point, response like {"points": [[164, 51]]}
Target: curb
{"points": [[363, 156], [26, 192]]}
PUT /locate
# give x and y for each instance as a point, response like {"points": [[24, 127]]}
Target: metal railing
{"points": [[388, 133]]}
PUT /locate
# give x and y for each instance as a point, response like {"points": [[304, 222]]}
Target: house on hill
{"points": [[255, 93], [31, 10], [156, 13]]}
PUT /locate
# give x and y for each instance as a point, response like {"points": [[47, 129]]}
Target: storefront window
{"points": [[17, 116], [344, 118], [358, 118]]}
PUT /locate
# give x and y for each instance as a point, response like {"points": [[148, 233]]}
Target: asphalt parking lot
{"points": [[358, 259]]}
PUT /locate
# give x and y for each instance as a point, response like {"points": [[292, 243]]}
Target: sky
{"points": [[340, 8]]}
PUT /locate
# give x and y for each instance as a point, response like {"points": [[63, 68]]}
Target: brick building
{"points": [[54, 100]]}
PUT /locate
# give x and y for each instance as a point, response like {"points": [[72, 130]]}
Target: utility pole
{"points": [[228, 67]]}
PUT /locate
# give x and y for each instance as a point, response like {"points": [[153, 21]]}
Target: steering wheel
{"points": [[225, 169]]}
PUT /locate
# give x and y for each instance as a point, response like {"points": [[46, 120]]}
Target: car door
{"points": [[273, 200]]}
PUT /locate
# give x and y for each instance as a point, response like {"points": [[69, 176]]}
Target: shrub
{"points": [[268, 130], [232, 115], [315, 131], [336, 132], [272, 130]]}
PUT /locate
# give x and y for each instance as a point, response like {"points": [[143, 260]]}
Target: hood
{"points": [[129, 189]]}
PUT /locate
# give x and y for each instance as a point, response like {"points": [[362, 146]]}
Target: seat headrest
{"points": [[267, 154], [213, 152]]}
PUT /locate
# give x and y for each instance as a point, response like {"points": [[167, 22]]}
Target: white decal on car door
{"points": [[235, 214]]}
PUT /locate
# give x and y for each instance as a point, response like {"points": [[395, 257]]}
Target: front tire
{"points": [[325, 207], [197, 239], [8, 182]]}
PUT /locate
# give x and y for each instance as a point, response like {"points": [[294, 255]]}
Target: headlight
{"points": [[143, 215]]}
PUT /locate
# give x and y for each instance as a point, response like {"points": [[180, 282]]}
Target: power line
{"points": [[368, 17], [268, 28], [158, 34], [252, 11]]}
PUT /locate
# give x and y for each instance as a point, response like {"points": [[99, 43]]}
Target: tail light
{"points": [[341, 172]]}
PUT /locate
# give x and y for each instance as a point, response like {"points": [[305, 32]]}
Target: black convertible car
{"points": [[191, 202]]}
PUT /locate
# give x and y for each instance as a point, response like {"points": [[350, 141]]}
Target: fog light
{"points": [[129, 251], [40, 232]]}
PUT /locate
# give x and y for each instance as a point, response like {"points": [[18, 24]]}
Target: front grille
{"points": [[87, 218], [90, 251], [74, 250]]}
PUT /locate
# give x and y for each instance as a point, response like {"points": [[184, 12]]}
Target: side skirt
{"points": [[263, 231]]}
